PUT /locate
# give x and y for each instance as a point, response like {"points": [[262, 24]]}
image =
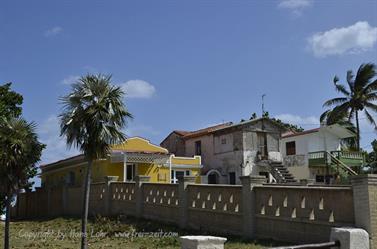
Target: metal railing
{"points": [[330, 244], [336, 161]]}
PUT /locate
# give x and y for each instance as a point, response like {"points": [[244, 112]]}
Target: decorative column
{"points": [[365, 205], [139, 195], [248, 203], [183, 182], [107, 195]]}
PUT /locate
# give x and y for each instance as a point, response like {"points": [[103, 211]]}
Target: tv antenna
{"points": [[263, 95]]}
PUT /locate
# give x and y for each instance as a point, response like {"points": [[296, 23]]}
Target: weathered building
{"points": [[231, 150]]}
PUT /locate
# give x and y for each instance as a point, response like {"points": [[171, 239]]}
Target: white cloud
{"points": [[70, 79], [138, 89], [56, 148], [356, 38], [296, 6], [298, 120], [53, 31]]}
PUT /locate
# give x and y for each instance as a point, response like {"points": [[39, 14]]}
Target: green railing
{"points": [[351, 159], [317, 158]]}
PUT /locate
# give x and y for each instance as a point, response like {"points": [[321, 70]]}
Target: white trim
{"points": [[170, 166], [213, 171], [124, 166], [175, 180]]}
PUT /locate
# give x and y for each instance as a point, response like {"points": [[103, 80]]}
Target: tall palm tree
{"points": [[360, 95], [20, 150], [93, 117]]}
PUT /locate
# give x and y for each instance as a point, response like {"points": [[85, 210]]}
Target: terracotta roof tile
{"points": [[206, 130], [181, 133]]}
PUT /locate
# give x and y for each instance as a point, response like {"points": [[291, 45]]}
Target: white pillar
{"points": [[170, 168], [124, 166]]}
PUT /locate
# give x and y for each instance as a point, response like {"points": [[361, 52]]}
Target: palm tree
{"points": [[20, 150], [92, 120], [360, 95]]}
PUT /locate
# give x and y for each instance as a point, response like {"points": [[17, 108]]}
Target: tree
{"points": [[357, 97], [10, 106], [10, 102], [371, 157], [20, 150], [92, 120], [287, 126]]}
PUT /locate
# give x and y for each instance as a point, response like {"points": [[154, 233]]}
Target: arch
{"points": [[213, 176]]}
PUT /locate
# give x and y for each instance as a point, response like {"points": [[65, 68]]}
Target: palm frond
{"points": [[335, 101], [371, 106], [94, 115], [370, 119], [350, 80], [365, 74], [342, 89], [371, 87], [324, 115], [338, 113], [370, 97]]}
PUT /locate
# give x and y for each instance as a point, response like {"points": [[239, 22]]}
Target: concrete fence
{"points": [[298, 214]]}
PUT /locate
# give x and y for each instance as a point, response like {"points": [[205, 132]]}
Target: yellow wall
{"points": [[58, 176], [139, 144], [102, 168]]}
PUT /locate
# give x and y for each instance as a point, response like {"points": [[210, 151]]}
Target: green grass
{"points": [[105, 233]]}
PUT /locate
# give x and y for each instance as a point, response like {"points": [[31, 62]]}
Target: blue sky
{"points": [[186, 64]]}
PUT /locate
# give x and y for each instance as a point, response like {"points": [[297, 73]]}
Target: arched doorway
{"points": [[213, 177]]}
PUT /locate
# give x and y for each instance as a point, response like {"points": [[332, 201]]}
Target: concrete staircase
{"points": [[281, 173]]}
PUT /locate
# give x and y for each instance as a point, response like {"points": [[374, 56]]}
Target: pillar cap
{"points": [[253, 179], [142, 178], [370, 179], [186, 178], [111, 178]]}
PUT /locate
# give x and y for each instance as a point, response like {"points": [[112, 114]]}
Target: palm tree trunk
{"points": [[7, 222], [85, 209], [357, 131]]}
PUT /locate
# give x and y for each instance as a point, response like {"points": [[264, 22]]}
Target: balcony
{"points": [[320, 158]]}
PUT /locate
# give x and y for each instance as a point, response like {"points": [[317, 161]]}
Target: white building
{"points": [[305, 153]]}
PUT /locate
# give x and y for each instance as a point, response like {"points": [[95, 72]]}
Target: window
{"points": [[290, 148], [175, 174], [223, 141], [130, 172], [187, 173], [198, 148], [232, 178], [70, 178]]}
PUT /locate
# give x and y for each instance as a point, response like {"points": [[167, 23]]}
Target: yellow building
{"points": [[136, 156]]}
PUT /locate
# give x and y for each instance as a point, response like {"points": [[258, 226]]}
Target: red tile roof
{"points": [[181, 133], [206, 130]]}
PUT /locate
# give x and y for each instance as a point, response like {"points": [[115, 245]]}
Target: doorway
{"points": [[262, 145], [130, 172]]}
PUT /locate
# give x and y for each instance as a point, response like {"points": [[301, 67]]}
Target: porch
{"points": [[322, 159]]}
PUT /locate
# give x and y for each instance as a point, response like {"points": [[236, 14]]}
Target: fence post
{"points": [[183, 182], [248, 203], [139, 197], [108, 196], [365, 205]]}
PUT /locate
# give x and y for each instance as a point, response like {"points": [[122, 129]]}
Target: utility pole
{"points": [[263, 111]]}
